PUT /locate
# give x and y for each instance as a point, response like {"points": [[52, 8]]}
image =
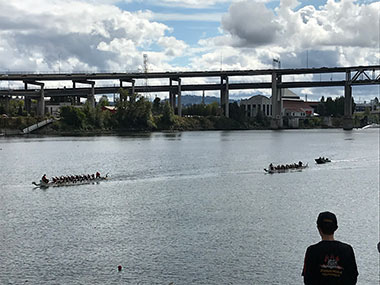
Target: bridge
{"points": [[276, 79]]}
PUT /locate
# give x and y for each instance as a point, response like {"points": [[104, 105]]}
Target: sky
{"points": [[182, 35]]}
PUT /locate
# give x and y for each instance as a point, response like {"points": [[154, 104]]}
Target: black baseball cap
{"points": [[327, 219]]}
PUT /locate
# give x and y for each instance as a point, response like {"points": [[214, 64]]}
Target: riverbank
{"points": [[13, 126]]}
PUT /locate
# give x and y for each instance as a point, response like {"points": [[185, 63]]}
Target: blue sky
{"points": [[112, 35]]}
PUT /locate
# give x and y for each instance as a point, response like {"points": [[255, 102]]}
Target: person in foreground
{"points": [[329, 261]]}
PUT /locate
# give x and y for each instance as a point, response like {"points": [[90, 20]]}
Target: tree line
{"points": [[135, 112], [332, 107]]}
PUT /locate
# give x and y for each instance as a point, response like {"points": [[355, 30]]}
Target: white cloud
{"points": [[41, 35], [342, 33], [194, 4], [83, 35], [173, 47], [337, 34], [203, 17], [342, 23], [250, 24]]}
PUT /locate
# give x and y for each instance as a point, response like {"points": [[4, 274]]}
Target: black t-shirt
{"points": [[330, 262]]}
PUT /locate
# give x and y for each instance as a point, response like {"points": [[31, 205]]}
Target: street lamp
{"points": [[278, 62]]}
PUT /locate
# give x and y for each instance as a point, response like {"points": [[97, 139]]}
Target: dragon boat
{"points": [[96, 180], [284, 170]]}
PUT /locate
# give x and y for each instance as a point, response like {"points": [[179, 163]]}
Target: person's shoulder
{"points": [[314, 247], [329, 243], [343, 245]]}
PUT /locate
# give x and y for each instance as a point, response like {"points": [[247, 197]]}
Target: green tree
{"points": [[167, 114], [330, 107], [14, 106], [213, 109], [339, 106], [237, 112], [156, 105], [134, 112], [19, 111], [321, 109], [103, 101], [72, 116]]}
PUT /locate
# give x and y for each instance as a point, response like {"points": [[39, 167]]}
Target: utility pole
{"points": [[145, 56]]}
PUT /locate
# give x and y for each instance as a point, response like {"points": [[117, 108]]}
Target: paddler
{"points": [[44, 179]]}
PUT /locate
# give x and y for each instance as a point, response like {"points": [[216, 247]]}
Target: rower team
{"points": [[71, 178], [286, 166]]}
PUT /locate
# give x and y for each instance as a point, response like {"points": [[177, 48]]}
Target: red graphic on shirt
{"points": [[331, 262]]}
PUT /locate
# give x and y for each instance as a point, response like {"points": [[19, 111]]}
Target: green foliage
{"points": [[156, 109], [17, 122], [202, 110], [14, 107], [134, 112], [167, 115], [103, 101], [321, 109], [310, 122], [72, 116], [213, 109], [237, 112], [195, 110], [332, 107]]}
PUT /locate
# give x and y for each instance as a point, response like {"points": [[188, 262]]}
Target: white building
{"points": [[256, 103], [293, 107]]}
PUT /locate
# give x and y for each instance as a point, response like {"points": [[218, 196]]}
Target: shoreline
{"points": [[84, 133]]}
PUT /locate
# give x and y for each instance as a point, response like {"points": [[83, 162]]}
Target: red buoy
{"points": [[119, 268]]}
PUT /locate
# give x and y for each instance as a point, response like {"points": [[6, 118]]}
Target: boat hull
{"points": [[286, 170], [42, 184], [322, 161]]}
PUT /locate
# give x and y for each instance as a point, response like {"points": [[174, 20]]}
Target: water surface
{"points": [[188, 208]]}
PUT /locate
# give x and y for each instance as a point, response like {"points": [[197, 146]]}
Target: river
{"points": [[187, 208]]}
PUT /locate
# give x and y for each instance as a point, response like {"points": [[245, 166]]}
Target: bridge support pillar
{"points": [[27, 101], [173, 93], [347, 119], [27, 104], [90, 96], [224, 95], [179, 91], [76, 100], [132, 81], [276, 121], [40, 99], [41, 102]]}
